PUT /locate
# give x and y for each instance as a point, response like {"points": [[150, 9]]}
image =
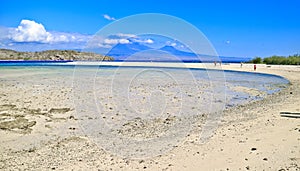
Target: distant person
{"points": [[215, 63], [241, 64], [254, 67], [220, 63]]}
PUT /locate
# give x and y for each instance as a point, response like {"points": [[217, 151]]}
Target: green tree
{"points": [[256, 60]]}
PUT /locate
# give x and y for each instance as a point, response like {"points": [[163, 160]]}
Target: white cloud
{"points": [[169, 43], [106, 16], [173, 44], [124, 41], [147, 41], [119, 38], [31, 31], [113, 41], [227, 42], [116, 41], [106, 46], [126, 35], [125, 38]]}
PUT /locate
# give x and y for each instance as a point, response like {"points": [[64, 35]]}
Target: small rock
{"points": [[253, 149], [265, 159], [31, 150]]}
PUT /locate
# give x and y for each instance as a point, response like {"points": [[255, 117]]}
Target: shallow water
{"points": [[224, 80], [126, 110]]}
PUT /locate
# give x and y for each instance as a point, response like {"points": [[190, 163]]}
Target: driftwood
{"points": [[290, 114]]}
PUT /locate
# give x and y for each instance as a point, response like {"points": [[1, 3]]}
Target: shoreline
{"points": [[175, 65], [250, 124], [252, 136]]}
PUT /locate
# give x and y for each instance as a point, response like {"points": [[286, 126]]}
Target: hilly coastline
{"points": [[120, 52], [51, 55]]}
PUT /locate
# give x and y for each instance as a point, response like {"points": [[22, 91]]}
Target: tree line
{"points": [[277, 60]]}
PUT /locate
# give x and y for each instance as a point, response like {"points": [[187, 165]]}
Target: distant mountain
{"points": [[174, 51], [166, 53], [126, 50], [188, 56]]}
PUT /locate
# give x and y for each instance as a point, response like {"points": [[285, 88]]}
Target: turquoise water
{"points": [[223, 80]]}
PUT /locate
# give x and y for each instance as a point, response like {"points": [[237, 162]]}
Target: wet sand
{"points": [[39, 130]]}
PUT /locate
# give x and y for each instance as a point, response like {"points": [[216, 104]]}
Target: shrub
{"points": [[256, 60], [278, 60]]}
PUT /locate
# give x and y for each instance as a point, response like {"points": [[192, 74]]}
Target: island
{"points": [[52, 55]]}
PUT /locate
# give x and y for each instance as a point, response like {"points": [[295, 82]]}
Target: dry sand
{"points": [[39, 131]]}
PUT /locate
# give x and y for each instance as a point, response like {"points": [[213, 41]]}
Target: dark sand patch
{"points": [[16, 123], [59, 110]]}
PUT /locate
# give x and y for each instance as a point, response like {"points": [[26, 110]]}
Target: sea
{"points": [[238, 87]]}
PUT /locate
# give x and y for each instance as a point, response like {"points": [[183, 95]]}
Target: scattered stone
{"points": [[3, 112], [253, 149], [19, 123], [47, 126], [31, 150], [59, 110], [34, 111]]}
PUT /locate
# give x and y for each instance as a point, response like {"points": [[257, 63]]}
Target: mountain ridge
{"points": [[51, 55], [125, 51]]}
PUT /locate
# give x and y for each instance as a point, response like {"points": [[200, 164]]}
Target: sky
{"points": [[234, 27]]}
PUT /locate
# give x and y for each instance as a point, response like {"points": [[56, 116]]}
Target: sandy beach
{"points": [[40, 130]]}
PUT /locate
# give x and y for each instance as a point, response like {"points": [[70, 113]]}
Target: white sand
{"points": [[250, 137]]}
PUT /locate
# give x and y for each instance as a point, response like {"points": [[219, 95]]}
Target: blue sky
{"points": [[234, 27]]}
